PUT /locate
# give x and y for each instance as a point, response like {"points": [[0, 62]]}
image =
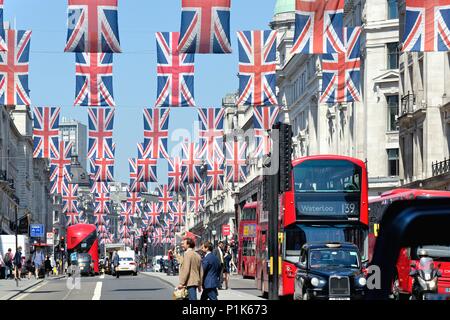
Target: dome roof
{"points": [[283, 6]]}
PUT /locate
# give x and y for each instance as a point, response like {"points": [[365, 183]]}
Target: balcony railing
{"points": [[439, 168], [408, 103]]}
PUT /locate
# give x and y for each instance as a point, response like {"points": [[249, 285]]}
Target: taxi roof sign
{"points": [[334, 245]]}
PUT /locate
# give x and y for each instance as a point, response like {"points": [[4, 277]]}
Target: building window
{"points": [[393, 162], [392, 9], [393, 109], [393, 55]]}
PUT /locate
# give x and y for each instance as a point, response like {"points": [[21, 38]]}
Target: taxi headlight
{"points": [[362, 281], [315, 282]]}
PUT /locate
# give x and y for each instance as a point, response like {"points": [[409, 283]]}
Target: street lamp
{"points": [[214, 232]]}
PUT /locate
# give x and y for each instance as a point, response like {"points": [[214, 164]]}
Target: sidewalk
{"points": [[9, 289], [230, 294]]}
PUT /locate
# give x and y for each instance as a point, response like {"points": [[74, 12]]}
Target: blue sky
{"points": [[52, 72]]}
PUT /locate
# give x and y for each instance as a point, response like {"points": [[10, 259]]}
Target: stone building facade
{"points": [[424, 118], [365, 129]]}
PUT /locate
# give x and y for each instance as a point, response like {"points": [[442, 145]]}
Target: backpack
{"points": [[7, 258], [18, 258]]}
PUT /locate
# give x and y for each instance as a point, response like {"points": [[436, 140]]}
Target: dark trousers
{"points": [[117, 272], [192, 293], [209, 294], [221, 275]]}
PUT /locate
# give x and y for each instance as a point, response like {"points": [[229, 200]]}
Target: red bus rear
{"points": [[247, 240], [440, 254], [328, 201], [82, 238]]}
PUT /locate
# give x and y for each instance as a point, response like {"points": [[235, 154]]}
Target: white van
{"points": [[155, 264], [127, 261]]}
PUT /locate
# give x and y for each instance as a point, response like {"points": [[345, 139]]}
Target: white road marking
{"points": [[23, 295], [98, 291], [102, 276]]}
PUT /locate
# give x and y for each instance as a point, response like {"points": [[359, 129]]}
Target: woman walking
{"points": [[227, 258]]}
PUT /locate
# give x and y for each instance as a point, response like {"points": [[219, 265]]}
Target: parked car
{"points": [[331, 271]]}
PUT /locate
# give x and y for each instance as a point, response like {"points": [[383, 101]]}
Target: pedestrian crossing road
{"points": [[104, 287]]}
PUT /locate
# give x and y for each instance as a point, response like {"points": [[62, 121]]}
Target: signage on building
{"points": [[226, 230], [36, 230], [50, 237], [249, 230]]}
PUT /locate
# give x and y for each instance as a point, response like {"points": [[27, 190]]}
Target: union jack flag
{"points": [[191, 163], [100, 218], [101, 125], [154, 213], [135, 185], [318, 27], [196, 197], [215, 175], [164, 197], [102, 201], [205, 26], [102, 169], [72, 218], [156, 131], [236, 166], [70, 198], [101, 230], [126, 214], [263, 120], [134, 202], [157, 236], [99, 187], [341, 71], [211, 133], [179, 213], [427, 25], [94, 80], [175, 174], [14, 68], [175, 73], [146, 166], [93, 26], [257, 68], [45, 130], [60, 162], [126, 240]]}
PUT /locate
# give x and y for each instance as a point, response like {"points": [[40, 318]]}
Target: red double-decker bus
{"points": [[327, 202], [247, 240], [82, 238], [402, 285]]}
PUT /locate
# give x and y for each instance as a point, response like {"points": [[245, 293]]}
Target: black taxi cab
{"points": [[329, 271]]}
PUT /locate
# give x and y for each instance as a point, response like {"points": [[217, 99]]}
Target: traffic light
{"points": [[62, 243], [285, 143]]}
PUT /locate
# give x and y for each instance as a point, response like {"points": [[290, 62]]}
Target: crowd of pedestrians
{"points": [[205, 271], [16, 266]]}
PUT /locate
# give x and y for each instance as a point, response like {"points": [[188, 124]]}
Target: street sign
{"points": [[226, 230], [36, 230], [50, 237]]}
